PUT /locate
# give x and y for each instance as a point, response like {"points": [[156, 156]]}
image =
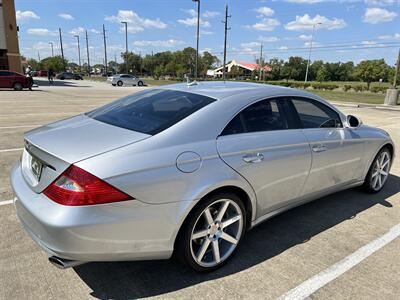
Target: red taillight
{"points": [[77, 187]]}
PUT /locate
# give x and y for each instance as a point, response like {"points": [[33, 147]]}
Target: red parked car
{"points": [[14, 80], [41, 73]]}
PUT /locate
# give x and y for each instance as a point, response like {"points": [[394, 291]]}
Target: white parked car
{"points": [[125, 79]]}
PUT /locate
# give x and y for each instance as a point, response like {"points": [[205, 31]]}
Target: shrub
{"points": [[378, 89], [359, 88], [347, 87]]}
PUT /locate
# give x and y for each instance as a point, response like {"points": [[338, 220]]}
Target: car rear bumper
{"points": [[130, 230]]}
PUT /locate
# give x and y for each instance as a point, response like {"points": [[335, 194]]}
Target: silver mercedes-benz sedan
{"points": [[187, 169]]}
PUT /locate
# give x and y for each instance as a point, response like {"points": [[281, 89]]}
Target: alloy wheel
{"points": [[216, 233], [380, 171]]}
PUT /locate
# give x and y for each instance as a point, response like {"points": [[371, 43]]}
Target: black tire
{"points": [[120, 83], [113, 84], [368, 182], [140, 83], [184, 240], [17, 86], [62, 78]]}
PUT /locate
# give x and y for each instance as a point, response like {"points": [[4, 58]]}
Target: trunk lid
{"points": [[51, 149]]}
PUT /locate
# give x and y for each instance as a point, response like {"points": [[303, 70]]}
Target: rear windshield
{"points": [[150, 111]]}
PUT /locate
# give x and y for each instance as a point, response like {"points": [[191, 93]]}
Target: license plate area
{"points": [[32, 168], [36, 167]]}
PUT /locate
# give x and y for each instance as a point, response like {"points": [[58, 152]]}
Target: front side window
{"points": [[313, 114], [264, 115], [5, 74], [151, 111]]}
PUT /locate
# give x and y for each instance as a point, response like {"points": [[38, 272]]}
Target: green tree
{"points": [[56, 63], [371, 70], [322, 74]]}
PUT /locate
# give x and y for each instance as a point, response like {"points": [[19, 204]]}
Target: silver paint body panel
{"points": [[168, 173]]}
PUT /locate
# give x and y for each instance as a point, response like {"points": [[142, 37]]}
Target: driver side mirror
{"points": [[353, 121]]}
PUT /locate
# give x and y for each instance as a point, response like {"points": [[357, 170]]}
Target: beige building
{"points": [[10, 58]]}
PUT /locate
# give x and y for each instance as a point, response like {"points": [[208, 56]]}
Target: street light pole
{"points": [[309, 53], [126, 45], [52, 49], [79, 53], [198, 38]]}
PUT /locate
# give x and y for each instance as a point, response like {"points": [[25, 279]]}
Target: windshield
{"points": [[150, 111]]}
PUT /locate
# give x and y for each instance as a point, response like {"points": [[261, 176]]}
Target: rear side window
{"points": [[313, 114], [151, 111], [6, 73], [264, 115]]}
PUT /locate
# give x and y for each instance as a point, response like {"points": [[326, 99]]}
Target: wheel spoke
{"points": [[374, 174], [215, 248], [379, 181], [222, 211], [375, 181], [382, 158], [384, 173], [208, 216], [385, 163], [199, 234], [228, 238], [230, 221], [203, 249], [378, 165]]}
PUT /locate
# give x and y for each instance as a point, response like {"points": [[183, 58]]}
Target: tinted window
{"points": [[313, 114], [150, 111], [6, 73], [262, 116]]}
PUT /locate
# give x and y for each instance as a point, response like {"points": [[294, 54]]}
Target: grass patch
{"points": [[341, 96]]}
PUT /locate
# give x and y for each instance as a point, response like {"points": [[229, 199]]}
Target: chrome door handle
{"points": [[253, 158], [319, 148]]}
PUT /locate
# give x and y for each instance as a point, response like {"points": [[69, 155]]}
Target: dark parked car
{"points": [[14, 80], [69, 75]]}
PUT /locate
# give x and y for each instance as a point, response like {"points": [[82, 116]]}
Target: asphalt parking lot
{"points": [[342, 246]]}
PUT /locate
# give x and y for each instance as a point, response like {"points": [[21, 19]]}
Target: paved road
{"points": [[314, 241]]}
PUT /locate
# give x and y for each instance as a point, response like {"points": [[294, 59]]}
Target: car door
{"points": [[262, 145], [336, 151], [3, 79], [6, 79]]}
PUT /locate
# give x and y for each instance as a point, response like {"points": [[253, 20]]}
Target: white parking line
{"points": [[308, 287], [11, 150], [6, 202], [39, 114]]}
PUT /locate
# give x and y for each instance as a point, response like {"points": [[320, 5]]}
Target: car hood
{"points": [[80, 137]]}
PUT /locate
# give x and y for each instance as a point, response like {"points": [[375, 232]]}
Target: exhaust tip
{"points": [[62, 263]]}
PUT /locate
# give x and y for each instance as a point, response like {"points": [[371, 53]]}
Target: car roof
{"points": [[221, 90]]}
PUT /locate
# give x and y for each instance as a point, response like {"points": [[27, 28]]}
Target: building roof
{"points": [[245, 65]]}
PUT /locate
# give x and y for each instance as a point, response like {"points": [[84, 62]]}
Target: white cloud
{"points": [[77, 31], [66, 16], [193, 22], [41, 31], [44, 46], [206, 32], [81, 30], [305, 37], [250, 45], [191, 12], [266, 24], [283, 48], [395, 36], [210, 14], [26, 15], [165, 44], [379, 2], [302, 23], [265, 11], [377, 15], [268, 39], [135, 22]]}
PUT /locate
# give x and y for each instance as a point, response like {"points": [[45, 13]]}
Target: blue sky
{"points": [[348, 30]]}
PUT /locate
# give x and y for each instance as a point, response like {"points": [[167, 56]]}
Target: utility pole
{"points": [[260, 63], [79, 54], [38, 55], [198, 38], [225, 40], [309, 53], [52, 49], [126, 45], [397, 70], [62, 49], [105, 49], [87, 50]]}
